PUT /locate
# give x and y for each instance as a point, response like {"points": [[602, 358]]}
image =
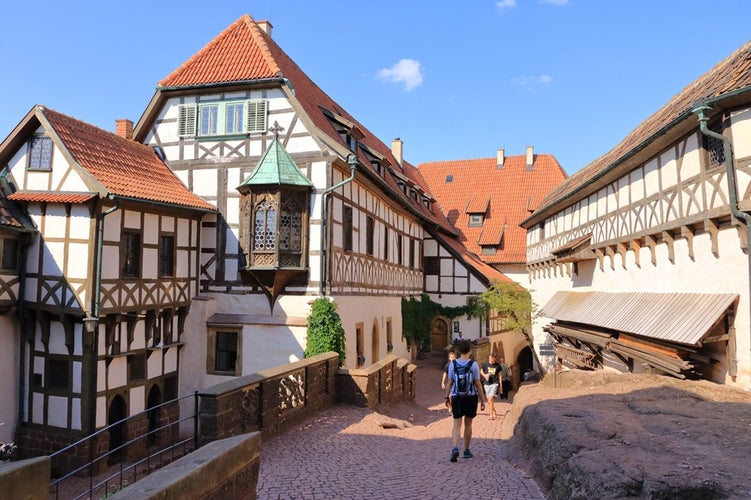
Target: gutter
{"points": [[700, 107], [352, 161]]}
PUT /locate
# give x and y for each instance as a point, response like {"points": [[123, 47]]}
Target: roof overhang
{"points": [[676, 318], [575, 250]]}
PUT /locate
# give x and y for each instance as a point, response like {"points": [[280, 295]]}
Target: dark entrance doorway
{"points": [[155, 399], [117, 412]]}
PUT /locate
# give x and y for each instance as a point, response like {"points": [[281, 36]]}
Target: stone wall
{"points": [[388, 381], [25, 478], [223, 469], [270, 401]]}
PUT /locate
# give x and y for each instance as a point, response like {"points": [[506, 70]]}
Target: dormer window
{"points": [[40, 153], [476, 220], [347, 130]]}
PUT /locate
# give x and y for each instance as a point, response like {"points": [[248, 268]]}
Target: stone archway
{"points": [[154, 400], [440, 333]]}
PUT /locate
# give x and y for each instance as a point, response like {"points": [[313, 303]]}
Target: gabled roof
{"points": [[112, 165], [729, 80], [276, 168], [243, 54], [484, 272], [509, 193]]}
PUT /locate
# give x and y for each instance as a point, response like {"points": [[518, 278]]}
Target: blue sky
{"points": [[453, 80]]}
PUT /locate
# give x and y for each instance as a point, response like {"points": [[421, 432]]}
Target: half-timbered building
{"points": [[485, 199], [310, 203], [107, 280], [641, 259], [16, 231]]}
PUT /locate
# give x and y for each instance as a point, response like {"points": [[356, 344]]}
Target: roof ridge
{"points": [[260, 37]]}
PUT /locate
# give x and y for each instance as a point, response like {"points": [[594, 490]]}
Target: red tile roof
{"points": [[512, 190], [49, 197], [244, 53], [731, 76], [123, 167], [489, 272], [12, 217]]}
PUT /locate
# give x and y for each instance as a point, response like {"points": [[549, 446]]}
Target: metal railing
{"points": [[118, 469]]}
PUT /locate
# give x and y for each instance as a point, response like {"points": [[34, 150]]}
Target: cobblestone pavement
{"points": [[346, 453]]}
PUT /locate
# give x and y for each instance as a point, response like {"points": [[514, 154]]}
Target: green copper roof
{"points": [[276, 168]]}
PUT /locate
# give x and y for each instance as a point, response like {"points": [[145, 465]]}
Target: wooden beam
{"points": [[651, 243], [688, 233], [621, 249], [636, 247], [712, 229], [667, 237]]}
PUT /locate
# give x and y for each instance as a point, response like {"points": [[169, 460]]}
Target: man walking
{"points": [[491, 372], [462, 391]]}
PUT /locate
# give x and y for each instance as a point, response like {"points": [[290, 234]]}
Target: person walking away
{"points": [[462, 392], [491, 372], [445, 374]]}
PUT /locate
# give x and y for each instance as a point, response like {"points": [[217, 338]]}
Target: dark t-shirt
{"points": [[492, 369]]}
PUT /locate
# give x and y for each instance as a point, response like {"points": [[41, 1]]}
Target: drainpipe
{"points": [[699, 108], [26, 240], [90, 331], [352, 161]]}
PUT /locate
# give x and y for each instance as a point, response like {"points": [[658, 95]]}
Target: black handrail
{"points": [[124, 469]]}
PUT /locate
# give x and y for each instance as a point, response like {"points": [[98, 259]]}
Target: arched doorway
{"points": [[524, 363], [155, 399], [117, 412], [439, 334], [375, 347]]}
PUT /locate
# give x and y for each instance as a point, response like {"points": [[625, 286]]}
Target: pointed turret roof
{"points": [[276, 168]]}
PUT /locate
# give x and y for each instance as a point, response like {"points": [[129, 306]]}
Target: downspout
{"points": [[91, 354], [99, 245], [27, 238], [352, 161], [699, 108]]}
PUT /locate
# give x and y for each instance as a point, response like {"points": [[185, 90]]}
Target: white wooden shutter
{"points": [[186, 120], [256, 121]]}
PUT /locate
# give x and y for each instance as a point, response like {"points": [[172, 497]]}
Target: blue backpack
{"points": [[463, 380]]}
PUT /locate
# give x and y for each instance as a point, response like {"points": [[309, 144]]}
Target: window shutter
{"points": [[256, 116], [186, 120]]}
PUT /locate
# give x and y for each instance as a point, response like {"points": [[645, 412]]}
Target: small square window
{"points": [[224, 349], [40, 153], [57, 375], [432, 265], [475, 220], [137, 367]]}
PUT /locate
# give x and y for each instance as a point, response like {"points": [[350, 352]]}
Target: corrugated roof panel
{"points": [[678, 317]]}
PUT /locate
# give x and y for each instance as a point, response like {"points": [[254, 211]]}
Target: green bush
{"points": [[325, 331]]}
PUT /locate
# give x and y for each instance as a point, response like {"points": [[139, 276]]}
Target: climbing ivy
{"points": [[417, 316], [325, 331]]}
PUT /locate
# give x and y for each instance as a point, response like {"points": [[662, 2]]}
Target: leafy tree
{"points": [[325, 331], [417, 318], [510, 300]]}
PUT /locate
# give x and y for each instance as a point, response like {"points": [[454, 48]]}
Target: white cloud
{"points": [[503, 4], [555, 2], [532, 82], [406, 70]]}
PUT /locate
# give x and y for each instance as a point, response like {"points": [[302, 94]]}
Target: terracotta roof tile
{"points": [[478, 204], [513, 192], [124, 167], [729, 75], [50, 197], [11, 216]]}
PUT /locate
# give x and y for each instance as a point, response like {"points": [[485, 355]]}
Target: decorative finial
{"points": [[275, 129]]}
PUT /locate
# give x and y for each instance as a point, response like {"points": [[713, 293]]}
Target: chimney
{"points": [[500, 156], [397, 149], [124, 128], [530, 158], [265, 27]]}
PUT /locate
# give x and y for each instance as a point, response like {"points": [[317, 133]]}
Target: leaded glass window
{"points": [[40, 153], [265, 226]]}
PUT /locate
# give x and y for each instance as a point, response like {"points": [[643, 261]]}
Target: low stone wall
{"points": [[25, 478], [388, 381], [224, 469], [270, 401]]}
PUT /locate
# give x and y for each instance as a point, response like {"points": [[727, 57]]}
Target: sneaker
{"points": [[467, 453], [454, 454]]}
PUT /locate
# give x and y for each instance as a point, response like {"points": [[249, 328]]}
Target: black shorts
{"points": [[464, 406]]}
